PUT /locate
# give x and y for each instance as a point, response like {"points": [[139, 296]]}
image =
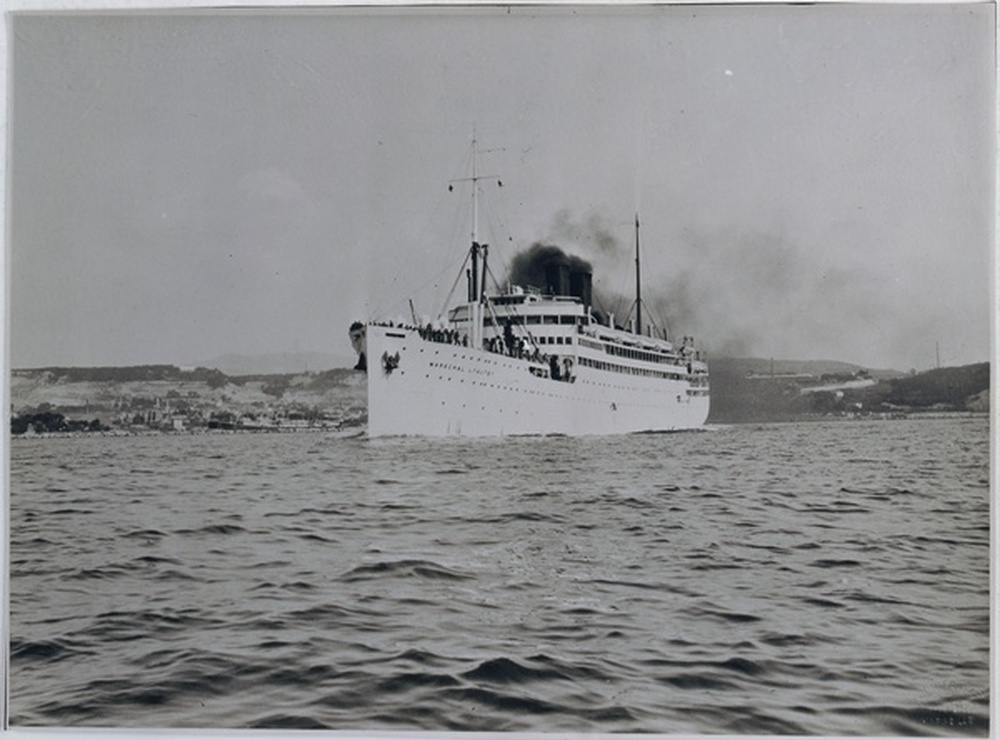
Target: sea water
{"points": [[806, 578]]}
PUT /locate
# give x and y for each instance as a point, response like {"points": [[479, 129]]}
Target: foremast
{"points": [[478, 254]]}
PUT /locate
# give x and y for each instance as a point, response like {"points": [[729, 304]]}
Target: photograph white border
{"points": [[85, 6]]}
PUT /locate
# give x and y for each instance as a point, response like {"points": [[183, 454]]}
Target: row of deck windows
{"points": [[638, 354], [533, 319], [612, 367], [542, 339]]}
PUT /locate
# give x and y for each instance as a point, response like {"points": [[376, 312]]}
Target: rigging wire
{"points": [[496, 282], [401, 301], [501, 231], [388, 297], [620, 295], [517, 326], [659, 324], [461, 271]]}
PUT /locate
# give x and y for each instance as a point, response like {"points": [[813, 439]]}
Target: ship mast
{"points": [[477, 284], [638, 281], [474, 285], [475, 293], [475, 198]]}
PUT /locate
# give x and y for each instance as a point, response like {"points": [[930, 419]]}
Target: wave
{"points": [[143, 534], [835, 563], [508, 671], [402, 683], [403, 569], [213, 529], [48, 651], [327, 615], [142, 624], [505, 702], [283, 721]]}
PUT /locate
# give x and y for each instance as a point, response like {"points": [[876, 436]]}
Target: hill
{"points": [[277, 363], [164, 397], [748, 390], [948, 386]]}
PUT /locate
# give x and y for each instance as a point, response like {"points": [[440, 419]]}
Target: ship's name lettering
{"points": [[460, 368]]}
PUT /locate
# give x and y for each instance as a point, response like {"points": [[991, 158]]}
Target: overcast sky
{"points": [[814, 182]]}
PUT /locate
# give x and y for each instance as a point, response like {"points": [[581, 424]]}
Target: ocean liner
{"points": [[528, 360]]}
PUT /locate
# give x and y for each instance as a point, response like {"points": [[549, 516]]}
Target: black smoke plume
{"points": [[528, 268], [740, 291]]}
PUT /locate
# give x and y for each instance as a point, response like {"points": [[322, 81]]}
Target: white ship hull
{"points": [[439, 389]]}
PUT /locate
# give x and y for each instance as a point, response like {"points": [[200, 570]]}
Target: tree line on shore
{"points": [[42, 422]]}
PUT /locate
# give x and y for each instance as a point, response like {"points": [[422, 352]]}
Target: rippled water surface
{"points": [[825, 578]]}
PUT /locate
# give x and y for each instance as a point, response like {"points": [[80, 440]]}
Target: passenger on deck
{"points": [[508, 337]]}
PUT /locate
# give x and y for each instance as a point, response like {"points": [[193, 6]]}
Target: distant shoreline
{"points": [[150, 400], [359, 430], [185, 433]]}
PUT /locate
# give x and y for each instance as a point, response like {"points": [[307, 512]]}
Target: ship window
{"points": [[567, 319], [534, 319], [550, 319]]}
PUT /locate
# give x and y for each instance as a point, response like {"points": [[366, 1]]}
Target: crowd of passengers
{"points": [[429, 332], [507, 345], [443, 336], [512, 347]]}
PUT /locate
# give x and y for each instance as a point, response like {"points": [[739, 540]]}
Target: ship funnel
{"points": [[581, 286], [557, 278], [551, 270]]}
